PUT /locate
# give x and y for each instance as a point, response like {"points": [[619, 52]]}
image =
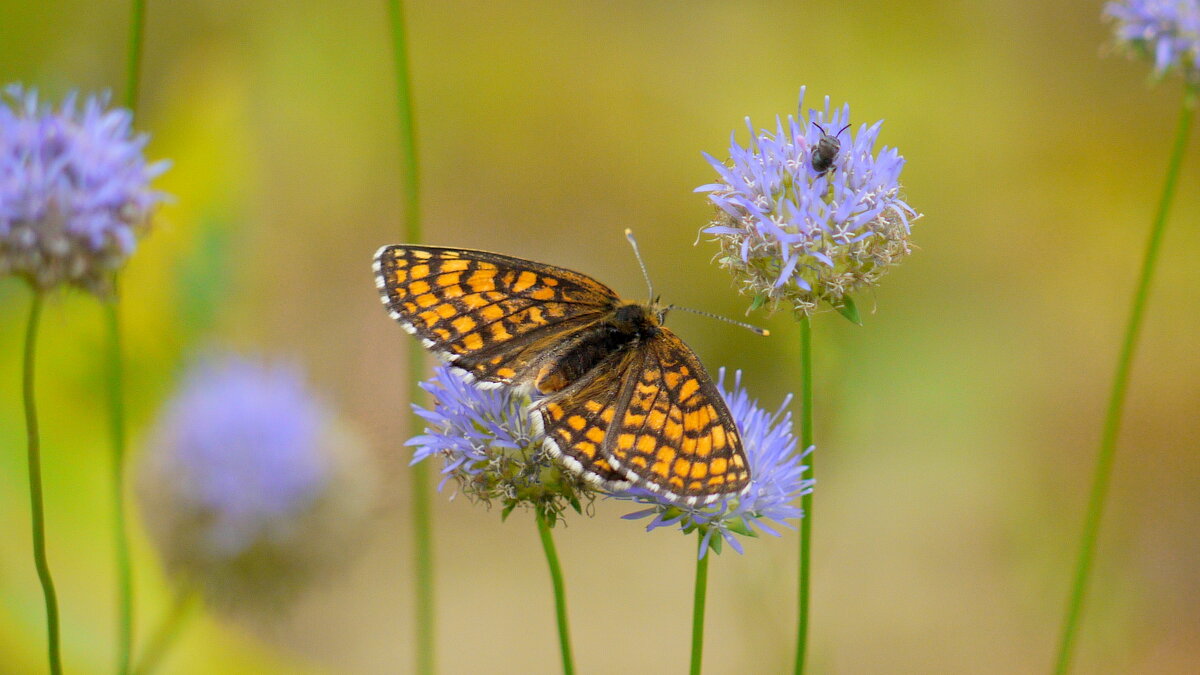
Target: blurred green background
{"points": [[956, 431]]}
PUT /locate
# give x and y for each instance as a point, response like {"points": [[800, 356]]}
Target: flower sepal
{"points": [[848, 309], [759, 300], [740, 526]]}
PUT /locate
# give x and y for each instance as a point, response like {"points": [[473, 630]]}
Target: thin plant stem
{"points": [[423, 557], [408, 127], [133, 61], [167, 632], [698, 599], [421, 515], [116, 399], [560, 593], [806, 500], [35, 488], [1116, 401], [116, 390]]}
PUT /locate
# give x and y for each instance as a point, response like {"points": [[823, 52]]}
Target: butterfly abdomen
{"points": [[628, 325]]}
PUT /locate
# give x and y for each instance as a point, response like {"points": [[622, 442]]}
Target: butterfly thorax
{"points": [[628, 325]]}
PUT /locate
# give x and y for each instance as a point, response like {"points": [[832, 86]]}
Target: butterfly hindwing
{"points": [[576, 421], [484, 312], [675, 434], [672, 433]]}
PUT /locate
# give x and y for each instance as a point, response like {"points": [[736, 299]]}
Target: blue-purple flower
{"points": [[1166, 31], [75, 192], [249, 485], [776, 480], [808, 213], [487, 442]]}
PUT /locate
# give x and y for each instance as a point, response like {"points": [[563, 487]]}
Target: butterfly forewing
{"points": [[484, 312]]}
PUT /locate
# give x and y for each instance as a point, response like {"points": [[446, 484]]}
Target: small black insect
{"points": [[826, 151]]}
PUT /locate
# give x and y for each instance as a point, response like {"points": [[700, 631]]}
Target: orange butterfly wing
{"points": [[486, 313]]}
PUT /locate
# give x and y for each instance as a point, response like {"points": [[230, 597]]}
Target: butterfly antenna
{"points": [[754, 329], [641, 263]]}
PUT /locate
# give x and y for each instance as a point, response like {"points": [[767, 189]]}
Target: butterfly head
{"points": [[642, 319]]}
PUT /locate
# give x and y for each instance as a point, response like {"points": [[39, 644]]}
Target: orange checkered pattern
{"points": [[592, 357]]}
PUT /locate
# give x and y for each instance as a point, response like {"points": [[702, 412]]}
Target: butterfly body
{"points": [[619, 398], [629, 326]]}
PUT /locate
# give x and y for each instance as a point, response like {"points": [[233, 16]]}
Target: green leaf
{"points": [[758, 301], [849, 310]]}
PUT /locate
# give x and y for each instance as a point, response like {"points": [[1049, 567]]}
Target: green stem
{"points": [[407, 121], [423, 562], [116, 389], [1116, 401], [806, 501], [133, 61], [35, 488], [698, 598], [422, 520], [168, 632], [116, 398], [560, 594]]}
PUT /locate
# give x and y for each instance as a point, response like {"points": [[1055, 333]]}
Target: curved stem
{"points": [[35, 487], [1116, 401], [560, 593], [422, 520], [168, 632], [698, 599], [116, 398], [806, 500]]}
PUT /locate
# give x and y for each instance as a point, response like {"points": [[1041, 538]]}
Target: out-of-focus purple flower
{"points": [[74, 190], [249, 486], [486, 440], [776, 480], [797, 226], [1166, 31]]}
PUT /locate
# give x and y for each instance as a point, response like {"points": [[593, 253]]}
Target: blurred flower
{"points": [[249, 487], [1167, 31], [776, 480], [798, 235], [74, 190], [487, 442]]}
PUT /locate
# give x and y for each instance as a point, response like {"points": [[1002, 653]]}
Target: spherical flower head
{"points": [[798, 227], [75, 191], [1167, 31], [249, 487], [486, 439], [776, 480]]}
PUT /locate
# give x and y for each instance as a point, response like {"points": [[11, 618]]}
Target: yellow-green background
{"points": [[956, 430]]}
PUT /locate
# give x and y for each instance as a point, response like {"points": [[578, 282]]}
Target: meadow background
{"points": [[956, 430]]}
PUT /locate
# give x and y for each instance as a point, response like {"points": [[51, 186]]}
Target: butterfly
{"points": [[621, 400]]}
